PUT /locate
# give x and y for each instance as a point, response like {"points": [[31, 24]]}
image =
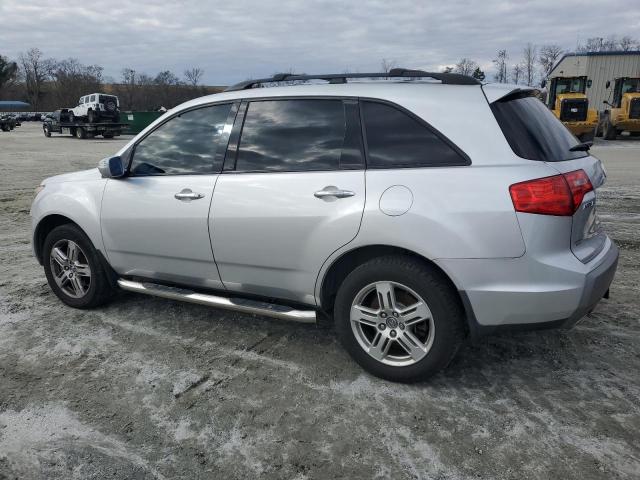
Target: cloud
{"points": [[233, 41]]}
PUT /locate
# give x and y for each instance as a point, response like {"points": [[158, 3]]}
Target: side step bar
{"points": [[238, 304]]}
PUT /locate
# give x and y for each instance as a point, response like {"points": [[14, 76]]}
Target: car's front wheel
{"points": [[73, 268], [399, 319]]}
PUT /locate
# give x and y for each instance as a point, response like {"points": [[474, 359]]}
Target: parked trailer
{"points": [[59, 122]]}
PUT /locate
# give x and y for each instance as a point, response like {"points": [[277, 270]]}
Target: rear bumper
{"points": [[528, 293], [596, 285]]}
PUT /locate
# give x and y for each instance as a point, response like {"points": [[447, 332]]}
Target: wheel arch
{"points": [[335, 274], [46, 225]]}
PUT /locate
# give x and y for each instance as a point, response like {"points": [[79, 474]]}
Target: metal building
{"points": [[598, 67]]}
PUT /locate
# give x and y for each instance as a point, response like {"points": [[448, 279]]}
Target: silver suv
{"points": [[416, 209]]}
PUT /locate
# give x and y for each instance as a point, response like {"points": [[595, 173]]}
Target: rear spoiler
{"points": [[500, 91]]}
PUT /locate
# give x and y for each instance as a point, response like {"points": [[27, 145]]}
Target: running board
{"points": [[238, 304]]}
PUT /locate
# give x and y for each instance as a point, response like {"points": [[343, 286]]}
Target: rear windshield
{"points": [[533, 132]]}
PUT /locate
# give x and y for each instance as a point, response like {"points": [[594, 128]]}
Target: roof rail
{"points": [[445, 78]]}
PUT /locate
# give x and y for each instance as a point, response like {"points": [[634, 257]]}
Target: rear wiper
{"points": [[581, 147]]}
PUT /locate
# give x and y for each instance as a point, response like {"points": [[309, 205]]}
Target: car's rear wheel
{"points": [[81, 133], [73, 268], [91, 116], [47, 132], [399, 319]]}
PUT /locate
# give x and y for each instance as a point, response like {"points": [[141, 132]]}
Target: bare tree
{"points": [[193, 75], [447, 69], [501, 66], [465, 66], [628, 43], [547, 58], [129, 86], [36, 71], [387, 64], [529, 58], [70, 80], [517, 73], [600, 44]]}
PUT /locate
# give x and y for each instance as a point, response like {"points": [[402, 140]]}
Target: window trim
{"points": [[131, 151], [233, 149], [466, 160]]}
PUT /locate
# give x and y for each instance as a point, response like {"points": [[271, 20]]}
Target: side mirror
{"points": [[589, 83], [608, 84], [543, 84], [111, 167]]}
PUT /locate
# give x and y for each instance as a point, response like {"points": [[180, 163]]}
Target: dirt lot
{"points": [[149, 388]]}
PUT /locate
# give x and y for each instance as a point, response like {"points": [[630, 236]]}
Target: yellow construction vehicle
{"points": [[624, 111], [567, 100]]}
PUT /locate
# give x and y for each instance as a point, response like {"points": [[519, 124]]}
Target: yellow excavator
{"points": [[568, 101], [623, 113]]}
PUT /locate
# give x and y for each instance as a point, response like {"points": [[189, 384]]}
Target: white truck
{"points": [[96, 107]]}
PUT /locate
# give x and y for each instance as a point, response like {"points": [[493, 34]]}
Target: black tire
{"points": [[100, 289], [428, 283], [47, 132], [71, 117], [608, 130], [91, 116], [81, 133]]}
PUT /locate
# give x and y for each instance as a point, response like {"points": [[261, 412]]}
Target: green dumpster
{"points": [[137, 121]]}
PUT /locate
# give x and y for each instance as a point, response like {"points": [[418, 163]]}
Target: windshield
{"points": [[570, 85], [533, 132], [631, 85]]}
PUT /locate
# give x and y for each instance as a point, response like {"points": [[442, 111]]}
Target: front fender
{"points": [[77, 201]]}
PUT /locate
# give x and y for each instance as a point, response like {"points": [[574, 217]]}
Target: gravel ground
{"points": [[150, 388]]}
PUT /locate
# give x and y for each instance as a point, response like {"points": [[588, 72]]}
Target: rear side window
{"points": [[395, 139], [533, 132], [298, 135], [186, 144]]}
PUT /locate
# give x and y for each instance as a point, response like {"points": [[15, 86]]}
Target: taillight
{"points": [[559, 195]]}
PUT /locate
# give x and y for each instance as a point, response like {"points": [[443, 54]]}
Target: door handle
{"points": [[188, 194], [331, 191]]}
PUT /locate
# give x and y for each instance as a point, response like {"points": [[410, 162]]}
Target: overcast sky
{"points": [[235, 40]]}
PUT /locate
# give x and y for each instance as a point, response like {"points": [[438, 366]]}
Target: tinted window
{"points": [[395, 139], [532, 131], [185, 144], [294, 135]]}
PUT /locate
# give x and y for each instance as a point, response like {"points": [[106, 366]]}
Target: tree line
{"points": [[535, 62], [48, 84]]}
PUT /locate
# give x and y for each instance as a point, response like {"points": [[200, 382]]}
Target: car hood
{"points": [[84, 175]]}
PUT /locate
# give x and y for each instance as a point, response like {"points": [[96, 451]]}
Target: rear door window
{"points": [[396, 139], [299, 135], [533, 132]]}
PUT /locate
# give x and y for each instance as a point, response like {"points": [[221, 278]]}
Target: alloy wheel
{"points": [[392, 323], [70, 268]]}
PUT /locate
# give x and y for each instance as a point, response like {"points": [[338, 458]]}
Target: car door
{"points": [[154, 220], [292, 192]]}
